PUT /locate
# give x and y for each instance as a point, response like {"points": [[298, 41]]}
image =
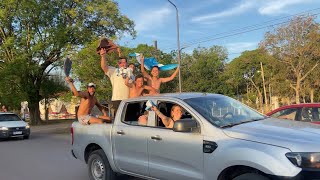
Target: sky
{"points": [[237, 25]]}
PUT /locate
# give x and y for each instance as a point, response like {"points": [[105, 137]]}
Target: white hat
{"points": [[91, 85]]}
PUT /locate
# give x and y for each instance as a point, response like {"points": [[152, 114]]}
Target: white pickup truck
{"points": [[217, 138]]}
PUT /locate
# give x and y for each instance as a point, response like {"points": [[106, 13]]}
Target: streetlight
{"points": [[178, 42]]}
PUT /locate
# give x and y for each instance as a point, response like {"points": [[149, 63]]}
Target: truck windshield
{"points": [[223, 111]]}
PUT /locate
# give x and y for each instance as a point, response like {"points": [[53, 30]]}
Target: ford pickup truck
{"points": [[217, 138]]}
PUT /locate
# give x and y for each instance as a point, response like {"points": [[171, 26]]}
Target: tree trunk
{"points": [[297, 89], [311, 95], [46, 104], [34, 99], [34, 113], [264, 85], [261, 102]]}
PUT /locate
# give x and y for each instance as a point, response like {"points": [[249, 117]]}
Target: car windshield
{"points": [[9, 117], [223, 111]]}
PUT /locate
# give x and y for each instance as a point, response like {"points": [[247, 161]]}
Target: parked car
{"points": [[11, 125], [216, 138], [306, 112]]}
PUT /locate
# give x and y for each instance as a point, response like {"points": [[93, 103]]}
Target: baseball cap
{"points": [[91, 85]]}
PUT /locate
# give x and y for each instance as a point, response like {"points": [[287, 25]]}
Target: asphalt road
{"points": [[45, 156]]}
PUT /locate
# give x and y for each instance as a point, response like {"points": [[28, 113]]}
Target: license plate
{"points": [[17, 132]]}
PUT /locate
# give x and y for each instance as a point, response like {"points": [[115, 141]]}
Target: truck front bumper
{"points": [[305, 174]]}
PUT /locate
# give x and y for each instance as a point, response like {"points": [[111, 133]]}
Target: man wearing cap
{"points": [[87, 102]]}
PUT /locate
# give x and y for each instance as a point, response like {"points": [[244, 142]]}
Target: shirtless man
{"points": [[136, 87], [154, 80], [87, 102]]}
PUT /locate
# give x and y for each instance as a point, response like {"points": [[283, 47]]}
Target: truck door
{"points": [[130, 141], [175, 155]]}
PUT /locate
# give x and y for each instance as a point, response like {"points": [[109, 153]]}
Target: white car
{"points": [[11, 125]]}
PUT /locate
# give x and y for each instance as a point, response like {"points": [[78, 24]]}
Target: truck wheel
{"points": [[251, 176], [99, 167]]}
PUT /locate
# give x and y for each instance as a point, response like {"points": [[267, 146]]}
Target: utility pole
{"points": [[178, 43], [156, 44], [264, 86]]}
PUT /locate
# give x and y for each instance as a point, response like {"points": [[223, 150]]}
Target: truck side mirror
{"points": [[185, 125]]}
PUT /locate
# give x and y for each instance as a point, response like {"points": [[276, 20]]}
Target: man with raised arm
{"points": [[153, 79], [87, 102], [117, 76]]}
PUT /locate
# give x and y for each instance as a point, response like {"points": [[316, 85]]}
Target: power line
{"points": [[245, 29], [258, 25]]}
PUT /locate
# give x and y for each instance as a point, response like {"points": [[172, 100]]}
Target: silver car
{"points": [[216, 138]]}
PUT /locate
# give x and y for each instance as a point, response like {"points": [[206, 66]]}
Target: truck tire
{"points": [[99, 167], [251, 176]]}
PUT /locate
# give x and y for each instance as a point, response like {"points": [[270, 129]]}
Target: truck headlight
{"points": [[3, 128], [305, 160], [27, 126]]}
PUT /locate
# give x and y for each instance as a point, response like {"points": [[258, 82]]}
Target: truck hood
{"points": [[296, 136], [10, 124]]}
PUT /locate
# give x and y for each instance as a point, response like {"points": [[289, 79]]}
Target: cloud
{"points": [[278, 6], [269, 7], [239, 47], [151, 19], [238, 9]]}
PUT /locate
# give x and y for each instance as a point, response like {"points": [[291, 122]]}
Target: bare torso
{"points": [[135, 91], [86, 105], [155, 83]]}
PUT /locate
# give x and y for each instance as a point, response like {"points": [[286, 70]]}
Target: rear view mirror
{"points": [[185, 125]]}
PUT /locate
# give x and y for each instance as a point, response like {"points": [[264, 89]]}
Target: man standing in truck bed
{"points": [[88, 100], [117, 77]]}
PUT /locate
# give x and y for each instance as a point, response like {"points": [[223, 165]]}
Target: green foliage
{"points": [[249, 64], [53, 86], [296, 45], [201, 71], [86, 67], [36, 36], [10, 86]]}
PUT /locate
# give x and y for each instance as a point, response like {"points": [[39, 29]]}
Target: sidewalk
{"points": [[53, 127]]}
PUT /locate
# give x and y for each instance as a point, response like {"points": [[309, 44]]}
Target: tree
{"points": [[38, 34], [86, 69], [51, 87], [10, 91], [246, 71], [87, 66], [295, 44], [202, 69]]}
